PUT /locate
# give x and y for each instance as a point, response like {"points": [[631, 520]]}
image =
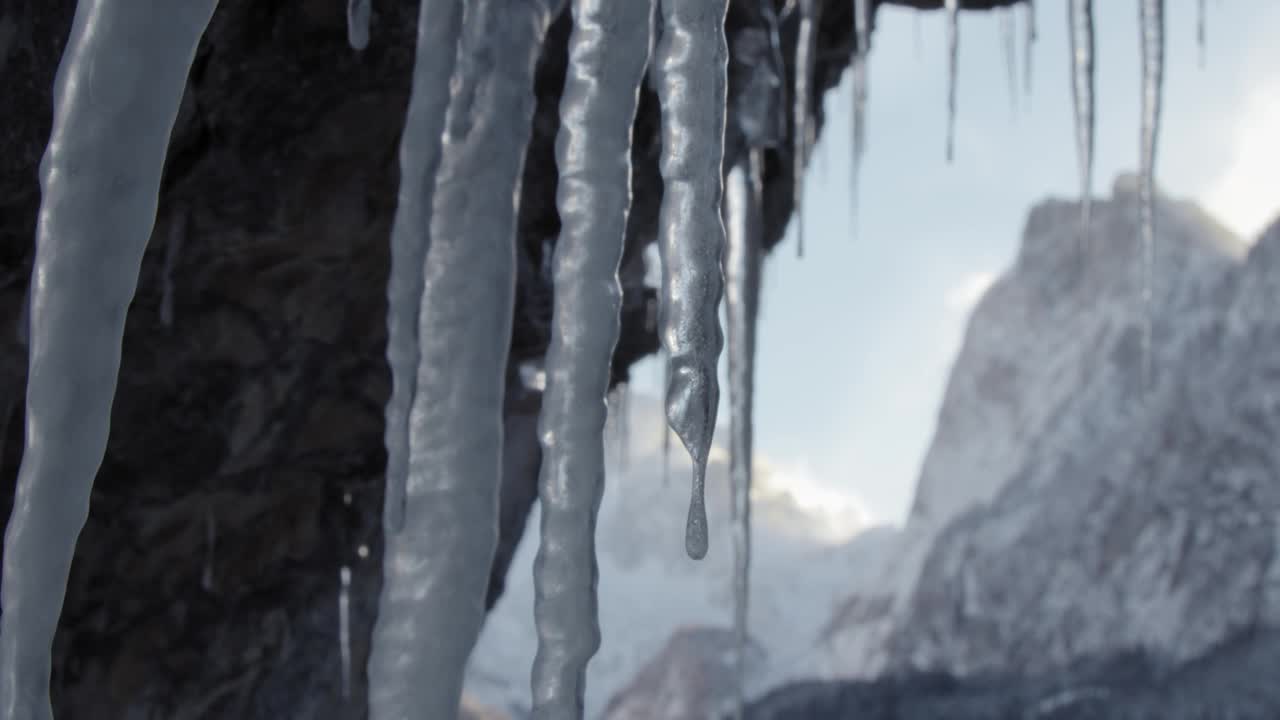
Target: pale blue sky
{"points": [[856, 338]]}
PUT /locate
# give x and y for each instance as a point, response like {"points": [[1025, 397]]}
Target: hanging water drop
{"points": [[953, 63], [806, 46], [1151, 29], [692, 72], [744, 223], [1080, 36], [358, 12]]}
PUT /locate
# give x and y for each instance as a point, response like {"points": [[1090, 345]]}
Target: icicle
{"points": [[210, 545], [744, 222], [344, 628], [806, 42], [1080, 35], [436, 568], [172, 251], [692, 69], [1029, 43], [358, 12], [115, 100], [953, 63], [862, 31], [1010, 42], [608, 54], [439, 23], [1151, 28], [1200, 30]]}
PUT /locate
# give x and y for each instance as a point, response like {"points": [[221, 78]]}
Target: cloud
{"points": [[965, 294], [1244, 195]]}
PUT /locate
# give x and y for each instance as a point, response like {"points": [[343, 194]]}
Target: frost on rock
{"points": [[116, 98], [744, 223], [608, 54], [358, 12], [691, 67], [436, 568], [1151, 29], [806, 47], [953, 63], [1080, 33], [862, 31], [439, 22]]}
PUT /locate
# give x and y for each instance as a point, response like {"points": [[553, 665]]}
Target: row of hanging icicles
{"points": [[450, 297]]}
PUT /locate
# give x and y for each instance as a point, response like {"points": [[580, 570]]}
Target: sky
{"points": [[857, 337]]}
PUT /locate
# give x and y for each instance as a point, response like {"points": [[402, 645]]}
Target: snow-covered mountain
{"points": [[653, 597], [1070, 504]]}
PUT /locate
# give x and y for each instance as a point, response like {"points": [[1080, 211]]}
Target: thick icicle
{"points": [[358, 12], [692, 70], [344, 628], [172, 251], [806, 46], [953, 65], [608, 54], [1151, 29], [862, 33], [439, 23], [1010, 41], [115, 101], [1029, 44], [436, 568], [744, 223], [1080, 34]]}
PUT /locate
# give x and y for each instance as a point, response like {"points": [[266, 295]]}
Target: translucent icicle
{"points": [[692, 71], [806, 46], [172, 251], [862, 31], [1029, 44], [436, 569], [1080, 35], [439, 23], [115, 101], [608, 54], [744, 222], [953, 64], [344, 628], [1009, 40], [1200, 30], [1151, 29], [358, 12]]}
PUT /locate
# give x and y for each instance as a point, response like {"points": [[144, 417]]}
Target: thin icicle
{"points": [[439, 23], [436, 568], [862, 32], [953, 65], [358, 12], [806, 46], [1151, 29], [1200, 30], [1080, 36], [692, 70], [744, 222], [608, 54], [172, 251], [1010, 41], [1029, 44], [344, 628], [115, 100]]}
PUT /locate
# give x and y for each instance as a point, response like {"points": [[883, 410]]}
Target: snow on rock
{"points": [[1071, 516]]}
